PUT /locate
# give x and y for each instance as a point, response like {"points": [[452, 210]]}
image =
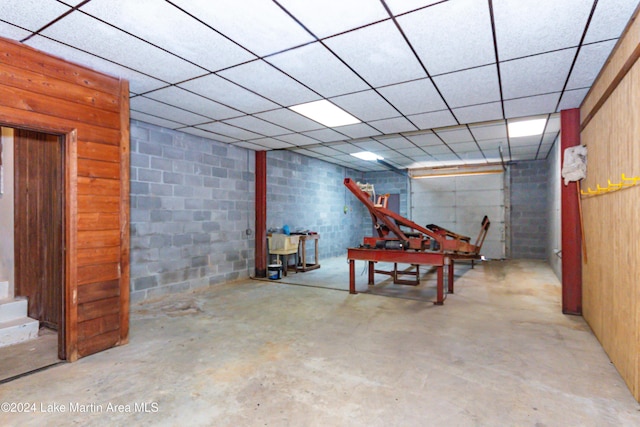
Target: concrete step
{"points": [[11, 309], [4, 290], [18, 330]]}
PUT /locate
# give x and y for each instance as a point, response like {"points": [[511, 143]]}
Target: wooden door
{"points": [[39, 225]]}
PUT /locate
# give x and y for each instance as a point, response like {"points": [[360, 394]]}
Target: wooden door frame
{"points": [[69, 318]]}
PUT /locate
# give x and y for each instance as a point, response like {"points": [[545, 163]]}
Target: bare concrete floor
{"points": [[29, 356], [256, 353]]}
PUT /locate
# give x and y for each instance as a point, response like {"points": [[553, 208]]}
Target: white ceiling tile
{"points": [[31, 14], [610, 19], [395, 125], [451, 35], [170, 124], [412, 152], [343, 158], [138, 83], [530, 106], [549, 138], [230, 131], [402, 6], [93, 36], [378, 53], [432, 120], [330, 17], [525, 141], [472, 157], [590, 60], [396, 142], [359, 130], [489, 131], [553, 123], [525, 149], [325, 135], [315, 66], [265, 80], [536, 75], [257, 125], [260, 26], [367, 105], [370, 146], [448, 158], [250, 146], [454, 135], [297, 139], [150, 106], [188, 38], [206, 134], [464, 147], [543, 153], [479, 113], [12, 32], [229, 93], [194, 103], [572, 99], [424, 139], [438, 150], [392, 154], [325, 151], [289, 119], [271, 143], [419, 96], [491, 145], [304, 152], [531, 27], [469, 87], [347, 148]]}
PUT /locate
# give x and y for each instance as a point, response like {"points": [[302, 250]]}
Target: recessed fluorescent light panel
{"points": [[367, 155], [326, 113], [526, 128]]}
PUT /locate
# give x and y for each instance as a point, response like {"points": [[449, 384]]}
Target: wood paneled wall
{"points": [[611, 285], [91, 111]]}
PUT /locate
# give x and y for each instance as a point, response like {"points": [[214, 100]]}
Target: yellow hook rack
{"points": [[626, 182]]}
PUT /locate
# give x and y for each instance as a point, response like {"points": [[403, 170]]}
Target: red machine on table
{"points": [[430, 245]]}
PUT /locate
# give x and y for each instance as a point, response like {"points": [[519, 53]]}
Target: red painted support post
{"points": [[371, 272], [571, 234], [450, 276], [440, 288], [352, 276], [261, 215]]}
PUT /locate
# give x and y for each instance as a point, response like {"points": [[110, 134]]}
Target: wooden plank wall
{"points": [[45, 93], [611, 131]]}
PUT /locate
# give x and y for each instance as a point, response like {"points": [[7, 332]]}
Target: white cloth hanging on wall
{"points": [[574, 167]]}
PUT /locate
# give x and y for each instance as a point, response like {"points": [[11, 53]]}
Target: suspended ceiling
{"points": [[434, 83]]}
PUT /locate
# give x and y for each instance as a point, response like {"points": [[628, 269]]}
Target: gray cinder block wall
{"points": [[309, 194], [554, 236], [529, 209], [192, 201], [387, 182]]}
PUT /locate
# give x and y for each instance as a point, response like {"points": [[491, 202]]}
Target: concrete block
{"points": [[150, 148], [149, 175], [161, 164]]}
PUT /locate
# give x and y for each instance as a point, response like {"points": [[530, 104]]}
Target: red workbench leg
{"points": [[371, 273], [450, 277], [440, 292], [352, 276]]}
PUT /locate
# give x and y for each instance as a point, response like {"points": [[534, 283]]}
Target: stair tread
{"points": [[19, 321], [9, 300]]}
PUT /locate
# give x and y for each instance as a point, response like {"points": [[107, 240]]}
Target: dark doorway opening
{"points": [[39, 248]]}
